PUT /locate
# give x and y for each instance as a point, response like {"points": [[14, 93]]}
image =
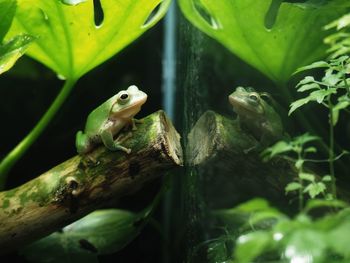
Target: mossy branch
{"points": [[229, 170], [82, 184]]}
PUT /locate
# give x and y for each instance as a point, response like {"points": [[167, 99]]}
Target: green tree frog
{"points": [[109, 118], [256, 115]]}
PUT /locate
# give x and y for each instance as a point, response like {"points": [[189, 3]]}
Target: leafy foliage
{"points": [[332, 92], [70, 43], [239, 26], [101, 232], [339, 41], [335, 81], [296, 150], [303, 237]]}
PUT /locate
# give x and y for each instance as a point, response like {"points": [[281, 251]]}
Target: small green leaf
{"points": [[253, 205], [292, 187], [318, 95], [331, 78], [299, 163], [310, 149], [297, 104], [307, 177], [318, 64], [306, 80], [314, 189], [276, 149], [340, 23], [309, 86], [305, 138], [13, 50], [252, 245], [342, 104], [327, 178]]}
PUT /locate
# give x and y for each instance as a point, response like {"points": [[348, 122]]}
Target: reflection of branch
{"points": [[82, 184], [232, 175], [217, 149]]}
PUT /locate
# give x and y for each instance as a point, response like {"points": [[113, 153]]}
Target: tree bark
{"points": [[82, 184], [230, 169]]}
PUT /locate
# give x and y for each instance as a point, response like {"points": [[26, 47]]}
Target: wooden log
{"points": [[217, 148], [229, 174], [80, 185]]}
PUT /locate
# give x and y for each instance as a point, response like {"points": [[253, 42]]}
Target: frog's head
{"points": [[247, 102], [128, 102]]}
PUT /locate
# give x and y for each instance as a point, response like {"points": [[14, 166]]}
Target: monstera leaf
{"points": [[69, 39], [275, 39], [7, 11]]}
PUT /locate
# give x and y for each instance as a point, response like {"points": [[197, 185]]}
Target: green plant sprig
{"points": [[332, 92], [339, 41], [306, 181]]}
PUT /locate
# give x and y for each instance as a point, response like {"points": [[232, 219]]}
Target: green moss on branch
{"points": [[82, 184]]}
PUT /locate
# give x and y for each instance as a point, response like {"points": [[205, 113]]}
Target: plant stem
{"points": [[331, 148], [16, 153], [301, 197], [346, 85]]}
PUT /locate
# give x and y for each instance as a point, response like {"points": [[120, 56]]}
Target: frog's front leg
{"points": [[133, 123], [107, 139]]}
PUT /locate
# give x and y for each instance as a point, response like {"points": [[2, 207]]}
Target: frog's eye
{"points": [[123, 98], [253, 97]]}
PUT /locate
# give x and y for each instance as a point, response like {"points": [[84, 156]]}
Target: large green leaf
{"points": [[7, 11], [101, 232], [69, 41], [295, 38]]}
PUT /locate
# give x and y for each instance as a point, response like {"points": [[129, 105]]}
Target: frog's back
{"points": [[98, 117], [271, 125]]}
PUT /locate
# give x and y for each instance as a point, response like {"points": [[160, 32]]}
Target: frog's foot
{"points": [[114, 145], [133, 123], [138, 121], [123, 137], [251, 149], [120, 139], [122, 148]]}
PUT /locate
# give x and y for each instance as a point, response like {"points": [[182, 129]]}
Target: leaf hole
{"points": [[152, 16], [98, 13], [272, 12], [204, 13]]}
